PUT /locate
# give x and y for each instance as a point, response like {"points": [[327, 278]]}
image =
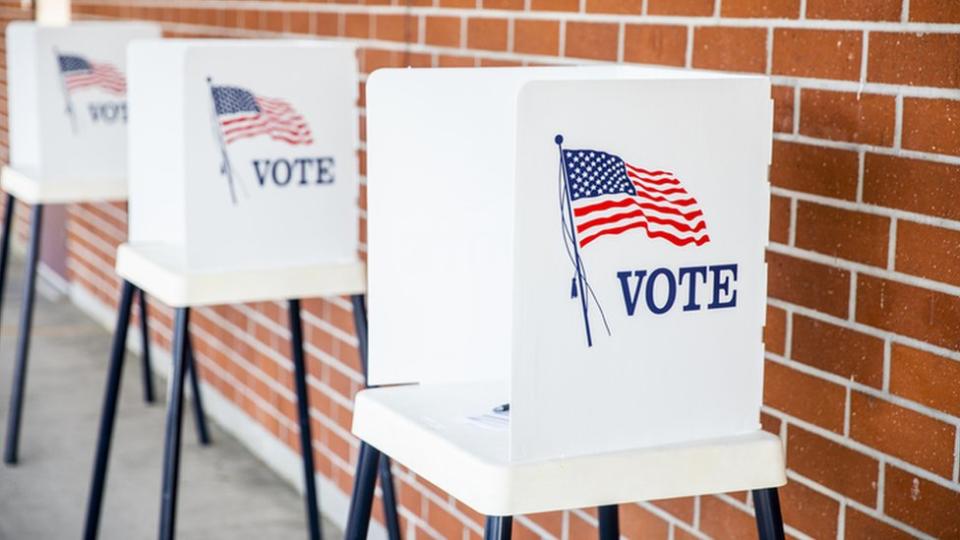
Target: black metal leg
{"points": [[386, 476], [361, 500], [171, 447], [147, 372], [199, 417], [5, 243], [767, 507], [609, 518], [498, 528], [23, 339], [303, 416], [108, 413]]}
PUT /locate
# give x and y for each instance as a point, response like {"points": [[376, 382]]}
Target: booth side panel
{"points": [[22, 90]]}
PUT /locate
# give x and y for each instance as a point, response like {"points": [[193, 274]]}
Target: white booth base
{"points": [[426, 428], [29, 187], [161, 271]]}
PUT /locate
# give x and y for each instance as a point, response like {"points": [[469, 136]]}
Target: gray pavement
{"points": [[225, 492]]}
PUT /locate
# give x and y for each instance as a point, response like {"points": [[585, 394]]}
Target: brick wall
{"points": [[863, 330]]}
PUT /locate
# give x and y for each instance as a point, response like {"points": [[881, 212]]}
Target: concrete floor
{"points": [[225, 492]]}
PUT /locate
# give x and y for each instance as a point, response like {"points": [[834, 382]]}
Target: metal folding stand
{"points": [[112, 394], [370, 462], [15, 413]]}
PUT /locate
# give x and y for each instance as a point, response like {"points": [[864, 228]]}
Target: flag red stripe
{"points": [[673, 239], [679, 226], [655, 181], [678, 202], [646, 172], [584, 210]]}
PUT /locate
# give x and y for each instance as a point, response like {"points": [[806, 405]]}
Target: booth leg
{"points": [[171, 446], [23, 338], [199, 416], [767, 507], [108, 413], [498, 528], [609, 522], [147, 372], [5, 243], [386, 476], [361, 500], [303, 415]]}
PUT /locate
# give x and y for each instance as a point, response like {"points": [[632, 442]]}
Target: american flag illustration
{"points": [[78, 72], [609, 196], [243, 114]]}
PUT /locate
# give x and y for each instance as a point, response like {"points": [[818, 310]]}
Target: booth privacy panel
{"points": [[640, 282], [244, 153], [67, 98]]}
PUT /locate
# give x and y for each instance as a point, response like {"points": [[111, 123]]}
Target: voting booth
{"points": [[68, 112], [243, 187], [598, 235], [243, 154]]}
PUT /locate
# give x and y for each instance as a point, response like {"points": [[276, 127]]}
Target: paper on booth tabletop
{"points": [[639, 274], [67, 99], [244, 153]]}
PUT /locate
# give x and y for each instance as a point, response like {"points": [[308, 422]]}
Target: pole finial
{"points": [[558, 139]]}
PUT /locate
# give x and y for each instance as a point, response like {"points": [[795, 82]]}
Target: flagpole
{"points": [[225, 168], [576, 248], [66, 93]]}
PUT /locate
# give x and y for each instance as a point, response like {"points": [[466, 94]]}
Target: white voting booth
{"points": [[68, 111], [244, 187], [243, 156], [585, 244]]}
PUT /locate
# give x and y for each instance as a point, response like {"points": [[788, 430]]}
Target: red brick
{"points": [[579, 528], [921, 503], [396, 28], [928, 251], [789, 391], [636, 522], [833, 465], [914, 59], [783, 102], [552, 522], [502, 4], [847, 353], [443, 31], [325, 24], [846, 234], [907, 310], [860, 525], [939, 11], [730, 49], [721, 520], [767, 9], [680, 7], [848, 116], [597, 41], [487, 34], [655, 44], [913, 185], [555, 5], [823, 54], [625, 7], [357, 25], [536, 37], [779, 219], [458, 3], [814, 169], [931, 125], [770, 423], [774, 331], [900, 432], [805, 283], [925, 378], [857, 10], [809, 511]]}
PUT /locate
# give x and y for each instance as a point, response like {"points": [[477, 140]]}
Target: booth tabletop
{"points": [[29, 187], [428, 429], [161, 272]]}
